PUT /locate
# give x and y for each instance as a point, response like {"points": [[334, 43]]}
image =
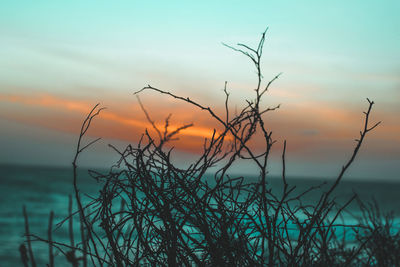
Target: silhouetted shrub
{"points": [[150, 211]]}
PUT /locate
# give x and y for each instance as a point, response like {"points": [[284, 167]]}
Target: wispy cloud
{"points": [[306, 125], [63, 104]]}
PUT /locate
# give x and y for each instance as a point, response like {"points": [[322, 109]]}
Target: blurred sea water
{"points": [[45, 189]]}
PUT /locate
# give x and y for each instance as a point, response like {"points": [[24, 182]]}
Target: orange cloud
{"points": [[307, 126], [49, 101], [46, 101]]}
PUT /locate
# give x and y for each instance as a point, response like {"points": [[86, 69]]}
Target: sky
{"points": [[59, 58]]}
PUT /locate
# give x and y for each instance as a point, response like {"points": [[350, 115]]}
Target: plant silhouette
{"points": [[152, 212]]}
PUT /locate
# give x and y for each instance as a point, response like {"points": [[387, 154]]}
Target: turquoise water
{"points": [[43, 189], [40, 189]]}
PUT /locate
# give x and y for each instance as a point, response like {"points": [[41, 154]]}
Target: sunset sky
{"points": [[59, 58]]}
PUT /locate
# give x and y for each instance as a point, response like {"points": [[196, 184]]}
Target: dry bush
{"points": [[149, 211]]}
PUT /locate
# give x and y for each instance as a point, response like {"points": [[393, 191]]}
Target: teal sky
{"points": [[333, 54]]}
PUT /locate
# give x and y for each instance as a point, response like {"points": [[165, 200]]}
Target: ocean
{"points": [[45, 189]]}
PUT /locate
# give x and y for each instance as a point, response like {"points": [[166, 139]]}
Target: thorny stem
{"points": [[84, 128]]}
